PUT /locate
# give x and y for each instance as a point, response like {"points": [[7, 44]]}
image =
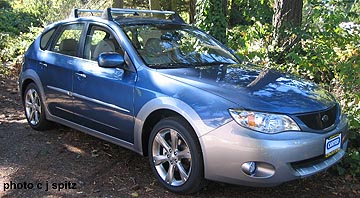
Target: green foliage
{"points": [[49, 11], [251, 42], [351, 163], [16, 32], [247, 12], [210, 17], [13, 47], [14, 22], [4, 4]]}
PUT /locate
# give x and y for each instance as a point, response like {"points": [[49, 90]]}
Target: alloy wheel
{"points": [[32, 106], [171, 157]]}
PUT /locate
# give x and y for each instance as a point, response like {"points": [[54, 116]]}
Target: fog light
{"points": [[249, 168]]}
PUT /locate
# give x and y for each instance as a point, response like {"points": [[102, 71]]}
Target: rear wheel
{"points": [[175, 156], [34, 108]]}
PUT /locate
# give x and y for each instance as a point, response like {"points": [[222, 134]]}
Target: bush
{"points": [[5, 4], [14, 22], [12, 48]]}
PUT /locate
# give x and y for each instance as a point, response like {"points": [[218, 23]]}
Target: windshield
{"points": [[169, 45]]}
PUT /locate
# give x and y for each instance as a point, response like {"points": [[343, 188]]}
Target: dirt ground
{"points": [[63, 162]]}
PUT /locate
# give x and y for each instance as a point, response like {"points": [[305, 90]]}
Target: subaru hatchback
{"points": [[149, 82]]}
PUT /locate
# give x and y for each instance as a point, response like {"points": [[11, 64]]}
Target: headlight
{"points": [[264, 122]]}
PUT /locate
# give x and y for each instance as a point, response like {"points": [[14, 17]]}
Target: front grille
{"points": [[320, 120]]}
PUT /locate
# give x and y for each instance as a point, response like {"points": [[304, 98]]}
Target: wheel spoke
{"points": [[32, 115], [184, 154], [37, 117], [159, 159], [184, 176], [174, 139], [160, 139], [170, 175], [38, 108], [32, 96], [28, 103]]}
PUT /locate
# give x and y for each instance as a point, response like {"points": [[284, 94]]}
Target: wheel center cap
{"points": [[173, 157]]}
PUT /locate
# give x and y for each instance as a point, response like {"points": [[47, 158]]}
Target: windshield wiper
{"points": [[187, 65], [213, 63], [171, 65]]}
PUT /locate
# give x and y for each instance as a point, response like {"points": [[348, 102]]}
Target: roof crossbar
{"points": [[135, 11], [77, 11]]}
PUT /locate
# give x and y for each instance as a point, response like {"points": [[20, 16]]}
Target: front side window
{"points": [[166, 46], [100, 40], [68, 41]]}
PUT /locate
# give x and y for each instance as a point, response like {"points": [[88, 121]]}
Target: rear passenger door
{"points": [[56, 68]]}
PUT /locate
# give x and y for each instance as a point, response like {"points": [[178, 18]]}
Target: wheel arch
{"points": [[152, 120], [30, 76], [158, 108], [27, 77]]}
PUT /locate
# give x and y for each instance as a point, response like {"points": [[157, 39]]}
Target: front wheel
{"points": [[175, 156]]}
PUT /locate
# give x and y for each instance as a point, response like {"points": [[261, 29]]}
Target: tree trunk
{"points": [[287, 15], [235, 15], [192, 11], [173, 5], [154, 5], [225, 7], [118, 4]]}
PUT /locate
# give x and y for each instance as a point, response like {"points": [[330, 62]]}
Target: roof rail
{"points": [[75, 13], [108, 13]]}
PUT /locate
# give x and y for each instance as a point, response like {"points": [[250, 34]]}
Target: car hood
{"points": [[254, 88]]}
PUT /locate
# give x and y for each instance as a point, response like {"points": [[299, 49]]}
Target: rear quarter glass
{"points": [[45, 38]]}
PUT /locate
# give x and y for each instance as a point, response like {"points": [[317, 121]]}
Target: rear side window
{"points": [[45, 38], [68, 41]]}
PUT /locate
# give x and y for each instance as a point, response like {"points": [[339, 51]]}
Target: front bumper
{"points": [[279, 157]]}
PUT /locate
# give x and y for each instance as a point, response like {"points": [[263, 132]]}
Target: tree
{"points": [[247, 12], [192, 11], [287, 14], [154, 5], [287, 17]]}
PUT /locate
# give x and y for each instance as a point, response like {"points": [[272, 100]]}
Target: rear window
{"points": [[45, 38]]}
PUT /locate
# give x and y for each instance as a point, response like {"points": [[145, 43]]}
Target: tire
{"points": [[34, 108], [175, 156]]}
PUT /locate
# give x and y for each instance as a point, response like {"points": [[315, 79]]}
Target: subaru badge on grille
{"points": [[325, 118]]}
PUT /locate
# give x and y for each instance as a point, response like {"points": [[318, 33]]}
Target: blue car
{"points": [[149, 82]]}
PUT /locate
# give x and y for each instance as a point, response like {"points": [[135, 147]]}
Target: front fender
{"points": [[172, 104]]}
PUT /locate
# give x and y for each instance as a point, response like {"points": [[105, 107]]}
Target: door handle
{"points": [[80, 75], [43, 65]]}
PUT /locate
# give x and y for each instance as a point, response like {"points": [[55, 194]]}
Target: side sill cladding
{"points": [[172, 104]]}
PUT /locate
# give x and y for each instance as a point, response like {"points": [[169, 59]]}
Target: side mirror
{"points": [[111, 60]]}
